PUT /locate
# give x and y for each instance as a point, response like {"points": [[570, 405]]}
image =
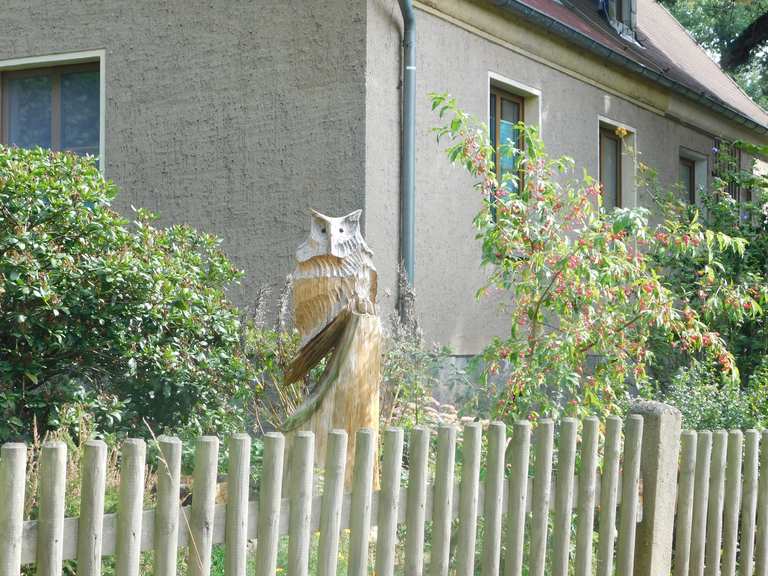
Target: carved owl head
{"points": [[339, 237]]}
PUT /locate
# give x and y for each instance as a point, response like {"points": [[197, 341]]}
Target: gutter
{"points": [[584, 41], [408, 151]]}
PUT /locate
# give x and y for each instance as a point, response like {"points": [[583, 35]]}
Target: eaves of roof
{"points": [[585, 41]]}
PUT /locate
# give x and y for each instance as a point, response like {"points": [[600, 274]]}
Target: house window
{"points": [[56, 108], [687, 178], [610, 167], [506, 110], [727, 164]]}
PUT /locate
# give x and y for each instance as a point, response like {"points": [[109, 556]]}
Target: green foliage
{"points": [[129, 322], [715, 23], [412, 371], [730, 292], [706, 404], [585, 297]]}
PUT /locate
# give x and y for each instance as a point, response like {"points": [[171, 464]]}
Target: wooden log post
{"points": [[130, 507], [684, 518], [609, 491], [302, 469], [203, 505], [587, 492], [389, 500], [270, 492], [418, 459], [716, 501], [630, 484], [542, 482], [732, 502], [700, 503], [518, 498], [168, 504], [662, 425], [50, 518], [360, 523], [238, 483], [468, 499], [494, 498], [333, 498], [749, 502], [442, 504], [566, 462], [90, 525], [13, 466]]}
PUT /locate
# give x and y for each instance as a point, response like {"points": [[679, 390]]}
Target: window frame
{"points": [[55, 72], [610, 133], [720, 165], [98, 55], [690, 165], [497, 93]]}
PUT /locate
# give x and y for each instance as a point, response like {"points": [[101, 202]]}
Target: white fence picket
{"points": [[13, 467], [442, 509], [169, 527]]}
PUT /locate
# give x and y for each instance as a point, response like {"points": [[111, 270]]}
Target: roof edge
{"points": [[599, 49]]}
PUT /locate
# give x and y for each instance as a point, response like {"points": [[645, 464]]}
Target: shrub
{"points": [[129, 322], [729, 293], [585, 298], [706, 404]]}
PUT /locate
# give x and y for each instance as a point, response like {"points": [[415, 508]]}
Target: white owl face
{"points": [[337, 237]]}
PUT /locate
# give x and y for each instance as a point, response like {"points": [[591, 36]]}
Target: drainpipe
{"points": [[408, 152]]}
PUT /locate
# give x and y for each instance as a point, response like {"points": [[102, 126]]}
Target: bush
{"points": [[706, 404], [585, 298], [129, 323]]}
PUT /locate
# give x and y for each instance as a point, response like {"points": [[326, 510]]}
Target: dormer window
{"points": [[622, 14]]}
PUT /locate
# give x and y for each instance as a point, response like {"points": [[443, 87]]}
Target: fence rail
{"points": [[519, 501]]}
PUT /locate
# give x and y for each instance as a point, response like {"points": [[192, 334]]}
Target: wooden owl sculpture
{"points": [[334, 302]]}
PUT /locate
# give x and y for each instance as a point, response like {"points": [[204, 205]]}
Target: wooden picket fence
{"points": [[527, 511], [722, 504]]}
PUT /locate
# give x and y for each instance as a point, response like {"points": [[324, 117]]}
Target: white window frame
{"points": [[531, 98], [628, 160], [64, 59], [700, 170]]}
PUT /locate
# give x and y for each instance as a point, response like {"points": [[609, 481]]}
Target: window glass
{"points": [[610, 168], [80, 112], [510, 116], [506, 110], [29, 111], [56, 108], [687, 178]]}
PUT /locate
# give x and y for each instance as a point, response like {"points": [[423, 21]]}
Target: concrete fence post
{"points": [[658, 469]]}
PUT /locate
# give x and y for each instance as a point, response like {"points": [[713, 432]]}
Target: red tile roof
{"points": [[663, 48]]}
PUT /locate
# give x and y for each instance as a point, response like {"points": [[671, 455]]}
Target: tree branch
{"points": [[741, 48]]}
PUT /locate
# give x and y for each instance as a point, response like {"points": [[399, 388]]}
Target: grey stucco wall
{"points": [[233, 116], [448, 271], [236, 116]]}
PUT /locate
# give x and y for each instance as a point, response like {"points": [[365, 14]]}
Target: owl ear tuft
{"points": [[354, 216], [317, 214]]}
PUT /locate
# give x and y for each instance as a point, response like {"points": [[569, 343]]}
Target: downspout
{"points": [[408, 151]]}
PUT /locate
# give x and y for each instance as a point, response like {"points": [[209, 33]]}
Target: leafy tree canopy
{"points": [[735, 33]]}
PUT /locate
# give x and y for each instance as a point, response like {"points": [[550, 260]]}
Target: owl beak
{"points": [[336, 249]]}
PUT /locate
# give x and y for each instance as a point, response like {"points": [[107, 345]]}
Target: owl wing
{"points": [[316, 349]]}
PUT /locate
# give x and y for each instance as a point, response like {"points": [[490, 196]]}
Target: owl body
{"points": [[334, 301], [334, 271]]}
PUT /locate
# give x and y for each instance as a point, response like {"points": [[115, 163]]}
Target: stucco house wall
{"points": [[236, 116], [233, 116], [569, 104]]}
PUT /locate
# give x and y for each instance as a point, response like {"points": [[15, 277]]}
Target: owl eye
{"points": [[341, 229], [322, 230]]}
